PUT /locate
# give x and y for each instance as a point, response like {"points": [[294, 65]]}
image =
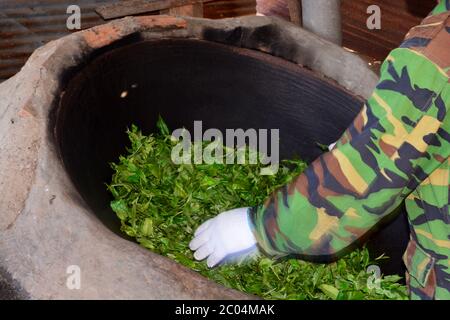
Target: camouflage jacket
{"points": [[397, 149]]}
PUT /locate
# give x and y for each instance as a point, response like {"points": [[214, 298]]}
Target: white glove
{"points": [[331, 146], [226, 237]]}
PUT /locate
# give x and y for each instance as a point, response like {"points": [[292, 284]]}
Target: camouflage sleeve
{"points": [[386, 152], [442, 7]]}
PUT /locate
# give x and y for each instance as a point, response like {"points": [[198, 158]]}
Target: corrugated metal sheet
{"points": [[229, 8], [26, 25]]}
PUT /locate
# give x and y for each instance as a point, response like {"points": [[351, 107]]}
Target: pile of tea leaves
{"points": [[161, 204]]}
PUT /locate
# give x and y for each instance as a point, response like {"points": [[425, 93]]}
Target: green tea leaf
{"points": [[120, 208], [162, 126], [147, 227], [330, 291]]}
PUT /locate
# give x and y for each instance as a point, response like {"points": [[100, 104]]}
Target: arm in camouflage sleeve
{"points": [[385, 153]]}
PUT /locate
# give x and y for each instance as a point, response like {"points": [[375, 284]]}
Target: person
{"points": [[396, 149]]}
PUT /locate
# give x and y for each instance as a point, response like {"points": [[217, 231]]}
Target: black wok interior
{"points": [[187, 80]]}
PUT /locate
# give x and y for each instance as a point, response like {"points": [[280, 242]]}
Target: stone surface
{"points": [[44, 224]]}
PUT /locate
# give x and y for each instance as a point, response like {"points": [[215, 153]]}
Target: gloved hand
{"points": [[226, 237]]}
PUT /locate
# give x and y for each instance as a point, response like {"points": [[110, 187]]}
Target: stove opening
{"points": [[188, 80]]}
